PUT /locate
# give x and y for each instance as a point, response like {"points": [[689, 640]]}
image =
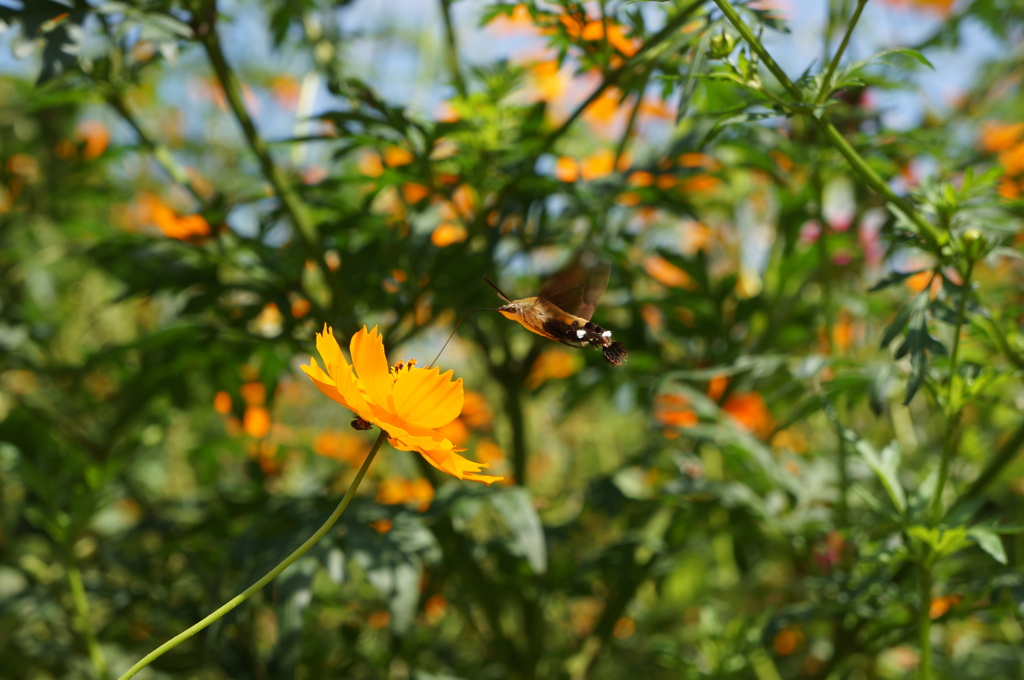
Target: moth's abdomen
{"points": [[615, 353]]}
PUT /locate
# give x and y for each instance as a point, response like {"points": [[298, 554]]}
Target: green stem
{"points": [[206, 31], [161, 153], [81, 601], [453, 48], [954, 400], [270, 575], [826, 83], [867, 173], [755, 44], [924, 620], [1006, 454]]}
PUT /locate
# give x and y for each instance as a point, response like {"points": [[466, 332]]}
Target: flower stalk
{"points": [[270, 575]]}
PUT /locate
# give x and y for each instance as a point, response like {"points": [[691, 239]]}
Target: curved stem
{"points": [[78, 596], [270, 575]]}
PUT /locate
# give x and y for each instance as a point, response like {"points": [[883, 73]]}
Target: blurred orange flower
{"points": [[447, 233], [940, 605], [152, 210], [222, 403], [476, 412], [1012, 160], [749, 411], [396, 156], [999, 136], [371, 165], [595, 30], [552, 364], [414, 193], [788, 640], [398, 491], [567, 169], [599, 164], [95, 138], [667, 273], [256, 421], [550, 81], [347, 447], [408, 403], [602, 111], [382, 525], [673, 410]]}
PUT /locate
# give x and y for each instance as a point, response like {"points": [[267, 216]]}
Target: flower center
{"points": [[402, 366]]}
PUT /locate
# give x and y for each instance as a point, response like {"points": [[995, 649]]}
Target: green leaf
{"points": [[893, 278], [885, 467], [990, 542], [515, 506], [943, 542]]}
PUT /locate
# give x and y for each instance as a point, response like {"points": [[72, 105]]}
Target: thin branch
{"points": [[826, 82]]}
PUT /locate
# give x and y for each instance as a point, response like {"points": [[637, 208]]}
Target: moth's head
{"points": [[518, 310], [511, 311]]}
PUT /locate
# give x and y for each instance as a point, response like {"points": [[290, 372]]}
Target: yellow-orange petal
{"points": [[427, 397], [324, 382], [329, 349], [446, 460], [371, 365]]}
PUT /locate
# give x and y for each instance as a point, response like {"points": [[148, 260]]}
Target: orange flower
{"points": [[788, 640], [1012, 159], [256, 421], [408, 403], [396, 156], [594, 30], [673, 410], [371, 165], [667, 273], [549, 80], [222, 403], [397, 491], [567, 169], [447, 233], [476, 412], [940, 605], [344, 446], [552, 364], [414, 193], [597, 165], [602, 111], [95, 138], [999, 136], [750, 412]]}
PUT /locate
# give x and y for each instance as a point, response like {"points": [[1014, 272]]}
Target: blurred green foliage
{"points": [[808, 468]]}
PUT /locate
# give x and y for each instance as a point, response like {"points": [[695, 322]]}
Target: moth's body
{"points": [[542, 316]]}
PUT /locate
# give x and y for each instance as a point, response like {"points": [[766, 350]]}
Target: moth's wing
{"points": [[577, 287]]}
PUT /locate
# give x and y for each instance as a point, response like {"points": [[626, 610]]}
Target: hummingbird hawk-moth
{"points": [[562, 310]]}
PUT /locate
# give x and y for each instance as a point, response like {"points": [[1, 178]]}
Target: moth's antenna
{"points": [[500, 294], [489, 309]]}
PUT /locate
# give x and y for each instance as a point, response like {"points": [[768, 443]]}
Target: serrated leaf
{"points": [[990, 542]]}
